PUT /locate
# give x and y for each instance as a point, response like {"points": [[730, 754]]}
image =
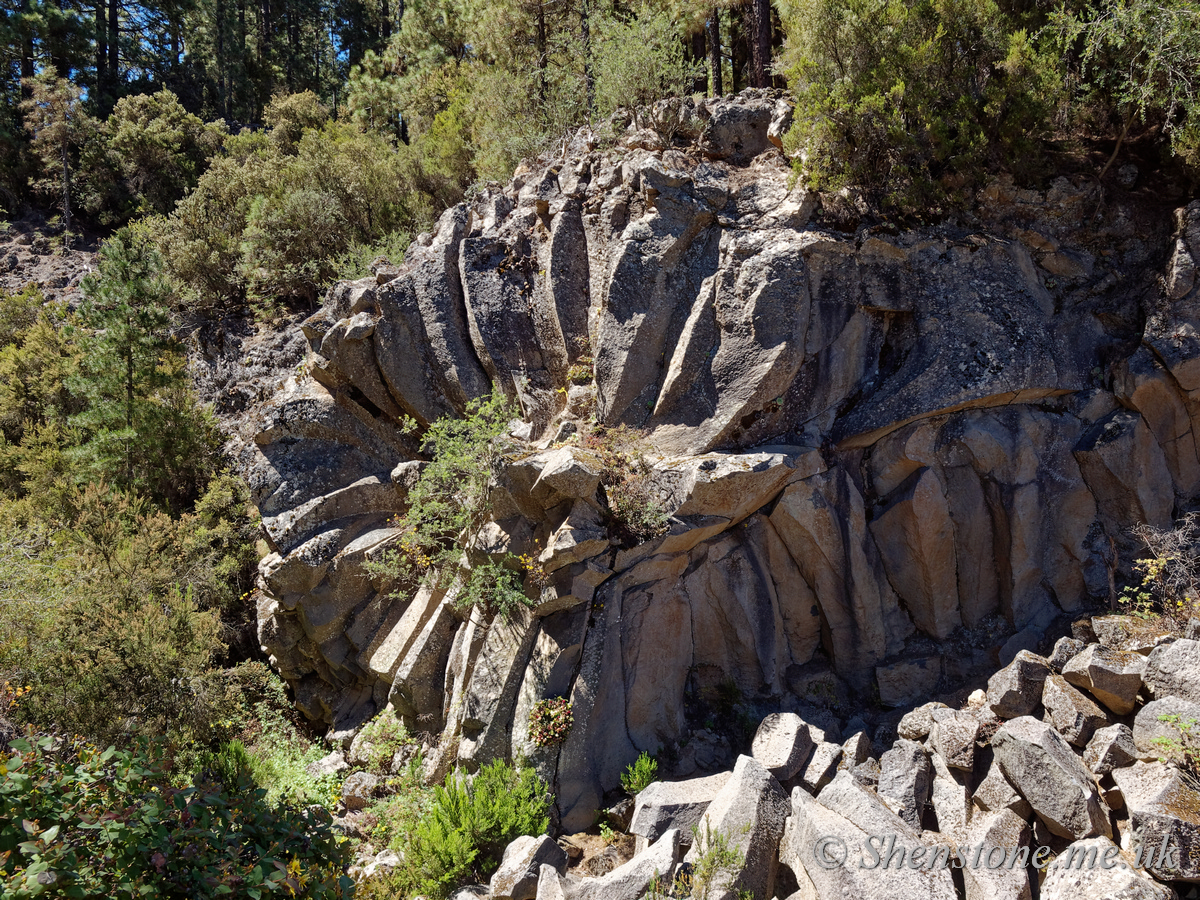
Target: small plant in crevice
{"points": [[635, 511], [1182, 747], [550, 721], [639, 774]]}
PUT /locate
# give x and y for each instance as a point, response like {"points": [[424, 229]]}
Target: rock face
{"points": [[862, 443]]}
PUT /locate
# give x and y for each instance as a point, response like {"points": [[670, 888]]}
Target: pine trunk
{"points": [[713, 26]]}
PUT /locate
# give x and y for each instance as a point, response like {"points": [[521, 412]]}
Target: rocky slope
{"points": [[883, 453], [1054, 783]]}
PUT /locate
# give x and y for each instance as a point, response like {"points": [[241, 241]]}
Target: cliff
{"points": [[884, 453]]}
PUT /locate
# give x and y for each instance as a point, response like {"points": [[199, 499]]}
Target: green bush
{"points": [[917, 103], [464, 834], [77, 822], [640, 773], [449, 507]]}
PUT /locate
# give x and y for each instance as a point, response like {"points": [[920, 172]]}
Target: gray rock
{"points": [[749, 812], [951, 805], [1173, 670], [1040, 764], [1163, 728], [520, 869], [626, 882], [1065, 649], [1003, 829], [916, 724], [850, 815], [856, 749], [905, 780], [1110, 748], [358, 789], [867, 773], [1072, 714], [666, 805], [822, 766], [782, 744], [953, 737], [995, 793], [328, 765], [1113, 677], [1097, 868], [1016, 689], [1164, 814]]}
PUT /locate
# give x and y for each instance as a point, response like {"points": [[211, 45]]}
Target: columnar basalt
{"points": [[868, 444]]}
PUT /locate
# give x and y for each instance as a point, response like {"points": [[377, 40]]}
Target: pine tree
{"points": [[142, 427], [55, 117]]}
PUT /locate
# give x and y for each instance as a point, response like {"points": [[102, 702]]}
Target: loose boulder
{"points": [[1044, 769], [1017, 688], [782, 744], [749, 812], [1113, 677], [517, 877], [666, 805]]}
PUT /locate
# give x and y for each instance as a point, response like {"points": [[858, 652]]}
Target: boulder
{"points": [[328, 765], [1173, 670], [905, 780], [916, 724], [1072, 714], [829, 848], [951, 803], [1164, 727], [953, 737], [1044, 769], [1006, 830], [1113, 677], [666, 805], [749, 812], [626, 882], [1065, 649], [821, 768], [517, 877], [782, 744], [856, 749], [1110, 748], [995, 792], [358, 789], [1164, 813], [1097, 868], [1016, 689]]}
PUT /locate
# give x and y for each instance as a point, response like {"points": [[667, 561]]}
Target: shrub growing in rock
{"points": [[470, 823], [640, 773]]}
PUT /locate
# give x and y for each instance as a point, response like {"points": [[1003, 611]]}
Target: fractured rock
{"points": [[1173, 670], [1016, 689], [626, 882], [1113, 677], [750, 811], [1097, 868], [905, 780], [666, 805], [1165, 727], [1072, 714], [1164, 812], [1040, 764], [1110, 748], [821, 768], [517, 877], [953, 737], [1008, 831], [782, 744]]}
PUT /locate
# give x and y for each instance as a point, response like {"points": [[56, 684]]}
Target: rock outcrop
{"points": [[866, 446]]}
